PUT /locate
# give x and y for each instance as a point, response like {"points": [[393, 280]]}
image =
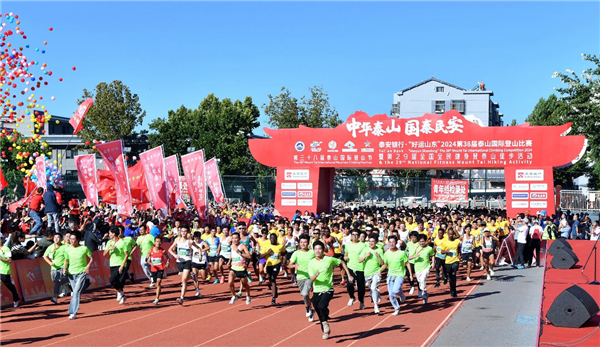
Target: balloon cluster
{"points": [[53, 173], [20, 75]]}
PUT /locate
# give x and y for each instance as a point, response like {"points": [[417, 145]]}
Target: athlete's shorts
{"points": [[186, 265], [477, 250], [254, 259], [304, 285], [288, 255], [157, 275], [225, 260], [262, 261], [273, 271], [198, 266], [240, 274], [467, 258], [214, 259], [487, 255], [338, 255]]}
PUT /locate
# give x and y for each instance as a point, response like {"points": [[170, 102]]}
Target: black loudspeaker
{"points": [[572, 308], [564, 259], [558, 244]]}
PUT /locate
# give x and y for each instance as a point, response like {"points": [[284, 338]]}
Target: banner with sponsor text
{"points": [[213, 179], [86, 171], [40, 168], [194, 172], [154, 170], [173, 182], [112, 153]]}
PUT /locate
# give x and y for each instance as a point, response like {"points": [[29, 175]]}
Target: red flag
{"points": [[193, 169], [40, 168], [3, 182], [29, 185], [77, 118], [154, 170], [253, 201], [213, 179], [173, 182], [138, 186], [86, 171], [112, 153]]}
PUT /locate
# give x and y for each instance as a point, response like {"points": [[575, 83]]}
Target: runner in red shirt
{"points": [[157, 257], [35, 205]]}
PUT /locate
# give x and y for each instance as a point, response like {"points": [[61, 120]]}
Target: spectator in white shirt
{"points": [[521, 243]]}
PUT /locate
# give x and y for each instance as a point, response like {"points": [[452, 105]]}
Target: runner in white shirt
{"points": [[199, 261], [225, 251]]}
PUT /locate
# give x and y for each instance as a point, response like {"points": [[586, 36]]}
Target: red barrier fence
{"points": [[32, 278]]}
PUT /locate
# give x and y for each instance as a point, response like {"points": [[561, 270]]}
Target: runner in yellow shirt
{"points": [[273, 252], [450, 248]]}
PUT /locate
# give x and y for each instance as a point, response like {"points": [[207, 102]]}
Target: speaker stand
{"points": [[595, 281]]}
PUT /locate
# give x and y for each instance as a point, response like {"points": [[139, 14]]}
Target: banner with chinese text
{"points": [[112, 153], [450, 191], [40, 170], [86, 171], [154, 170], [173, 181], [77, 118], [213, 179], [193, 169]]}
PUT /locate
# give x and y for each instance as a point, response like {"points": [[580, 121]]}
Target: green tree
{"points": [[285, 111], [513, 123], [18, 152], [220, 127], [551, 112], [114, 114]]}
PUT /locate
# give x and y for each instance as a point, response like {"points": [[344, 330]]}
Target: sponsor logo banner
{"points": [[299, 175], [288, 186], [288, 194], [305, 202], [520, 195], [305, 194], [529, 175], [539, 204], [520, 186], [539, 196], [520, 204], [539, 186], [288, 202], [305, 186]]}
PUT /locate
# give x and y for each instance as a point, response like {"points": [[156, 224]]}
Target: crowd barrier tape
{"points": [[33, 281]]}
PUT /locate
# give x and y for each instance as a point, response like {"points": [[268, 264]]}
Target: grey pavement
{"points": [[501, 312]]}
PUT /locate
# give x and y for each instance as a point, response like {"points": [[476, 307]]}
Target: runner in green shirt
{"points": [[77, 268], [320, 270], [145, 241], [55, 257], [118, 251], [299, 261], [411, 248], [357, 269], [423, 259], [372, 258], [396, 261], [132, 247], [5, 260]]}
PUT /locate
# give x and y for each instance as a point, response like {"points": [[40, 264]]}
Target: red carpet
{"points": [[555, 281]]}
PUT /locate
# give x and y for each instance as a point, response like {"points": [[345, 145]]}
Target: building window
{"points": [[459, 105], [396, 109], [71, 154], [439, 89], [440, 106]]}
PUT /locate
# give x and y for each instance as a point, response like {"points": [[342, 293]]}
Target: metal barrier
{"points": [[579, 200]]}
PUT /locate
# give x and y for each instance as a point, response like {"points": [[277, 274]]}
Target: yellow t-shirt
{"points": [[411, 227], [477, 236], [338, 236], [204, 237], [274, 258], [438, 246], [263, 244], [451, 248]]}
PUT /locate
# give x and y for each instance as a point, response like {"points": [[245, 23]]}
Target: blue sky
{"points": [[174, 54]]}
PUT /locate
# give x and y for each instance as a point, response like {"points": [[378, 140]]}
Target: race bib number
{"points": [[237, 259], [439, 250], [51, 255], [336, 244], [467, 249], [197, 256], [275, 256], [156, 261], [452, 254], [183, 252]]}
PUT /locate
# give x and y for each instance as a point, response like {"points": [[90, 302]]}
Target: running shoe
{"points": [[489, 277], [425, 297], [72, 316], [376, 309], [420, 294], [445, 280], [16, 304], [119, 296], [216, 281], [362, 306], [221, 279], [53, 299], [311, 316], [402, 296], [155, 302], [273, 302], [307, 312], [469, 279], [326, 328], [239, 294], [412, 290], [396, 312], [208, 278], [492, 272], [62, 295], [180, 301], [351, 302], [343, 283], [437, 285], [151, 285], [520, 267], [122, 301], [513, 266], [233, 300], [248, 300], [482, 268], [198, 293], [249, 278]]}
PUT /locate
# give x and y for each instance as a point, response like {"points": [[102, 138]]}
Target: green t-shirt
{"points": [[302, 259], [325, 266], [371, 263], [57, 255], [396, 262], [423, 261], [5, 267], [411, 248], [117, 255], [145, 242], [131, 243], [353, 250], [76, 257]]}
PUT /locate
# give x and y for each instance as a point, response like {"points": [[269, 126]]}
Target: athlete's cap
{"points": [[127, 221]]}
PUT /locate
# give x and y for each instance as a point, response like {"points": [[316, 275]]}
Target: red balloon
{"points": [[74, 68], [51, 29], [60, 79], [87, 143]]}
